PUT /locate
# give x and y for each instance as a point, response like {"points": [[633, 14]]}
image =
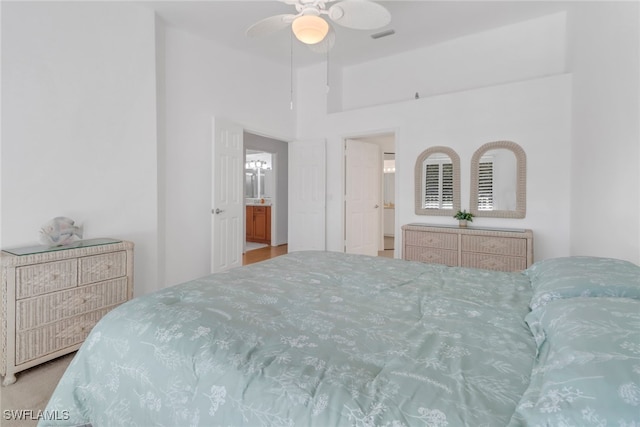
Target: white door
{"points": [[307, 184], [362, 198], [227, 196]]}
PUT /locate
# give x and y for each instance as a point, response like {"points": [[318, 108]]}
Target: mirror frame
{"points": [[455, 160], [521, 178]]}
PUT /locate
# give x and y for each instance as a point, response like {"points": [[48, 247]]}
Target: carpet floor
{"points": [[21, 401]]}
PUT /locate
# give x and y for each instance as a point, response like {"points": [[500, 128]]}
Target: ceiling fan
{"points": [[311, 28]]}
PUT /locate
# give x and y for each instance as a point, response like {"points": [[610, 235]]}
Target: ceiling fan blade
{"points": [[359, 14], [270, 25], [326, 43]]}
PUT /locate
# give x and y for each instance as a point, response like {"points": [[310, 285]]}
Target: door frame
{"points": [[392, 132]]}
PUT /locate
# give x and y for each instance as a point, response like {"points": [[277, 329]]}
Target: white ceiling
{"points": [[416, 24]]}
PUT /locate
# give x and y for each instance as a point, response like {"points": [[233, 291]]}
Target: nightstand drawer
{"points": [[431, 255], [495, 245], [102, 267], [34, 312], [432, 240], [47, 277]]}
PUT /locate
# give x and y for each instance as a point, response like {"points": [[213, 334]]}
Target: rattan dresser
{"points": [[487, 248], [52, 297]]}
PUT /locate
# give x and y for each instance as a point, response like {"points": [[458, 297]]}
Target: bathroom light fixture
{"points": [[256, 164], [310, 29], [389, 166]]}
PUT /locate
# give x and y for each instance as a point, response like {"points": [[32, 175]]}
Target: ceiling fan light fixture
{"points": [[310, 29]]}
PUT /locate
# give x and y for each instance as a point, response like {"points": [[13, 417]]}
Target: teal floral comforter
{"points": [[309, 339]]}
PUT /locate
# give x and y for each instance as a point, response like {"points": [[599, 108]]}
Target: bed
{"points": [[331, 339]]}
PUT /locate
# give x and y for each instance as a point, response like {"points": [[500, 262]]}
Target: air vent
{"points": [[383, 34]]}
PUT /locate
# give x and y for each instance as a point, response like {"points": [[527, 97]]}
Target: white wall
{"points": [[203, 80], [605, 218], [78, 124], [506, 54]]}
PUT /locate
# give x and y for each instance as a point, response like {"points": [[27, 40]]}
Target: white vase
{"points": [[462, 222]]}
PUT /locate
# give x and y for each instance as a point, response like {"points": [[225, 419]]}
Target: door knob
{"points": [[376, 207], [217, 211]]}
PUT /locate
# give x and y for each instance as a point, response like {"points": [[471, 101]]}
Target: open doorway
{"points": [[265, 191], [369, 208], [228, 203]]}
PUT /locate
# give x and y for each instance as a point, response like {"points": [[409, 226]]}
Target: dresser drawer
{"points": [[493, 262], [34, 312], [431, 255], [102, 267], [39, 279], [39, 342], [495, 245], [431, 239]]}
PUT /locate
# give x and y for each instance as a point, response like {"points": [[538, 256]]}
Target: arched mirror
{"points": [[499, 181], [437, 183]]}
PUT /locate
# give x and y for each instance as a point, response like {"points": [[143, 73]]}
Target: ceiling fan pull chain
{"points": [[291, 73], [328, 86]]}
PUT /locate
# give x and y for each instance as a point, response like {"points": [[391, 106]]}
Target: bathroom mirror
{"points": [[389, 180], [258, 174], [437, 182], [498, 181]]}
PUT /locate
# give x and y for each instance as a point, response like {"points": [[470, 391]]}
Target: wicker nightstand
{"points": [[52, 297]]}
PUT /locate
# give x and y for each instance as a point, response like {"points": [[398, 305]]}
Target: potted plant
{"points": [[463, 216]]}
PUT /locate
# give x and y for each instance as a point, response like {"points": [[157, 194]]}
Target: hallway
{"points": [[263, 254], [269, 252]]}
